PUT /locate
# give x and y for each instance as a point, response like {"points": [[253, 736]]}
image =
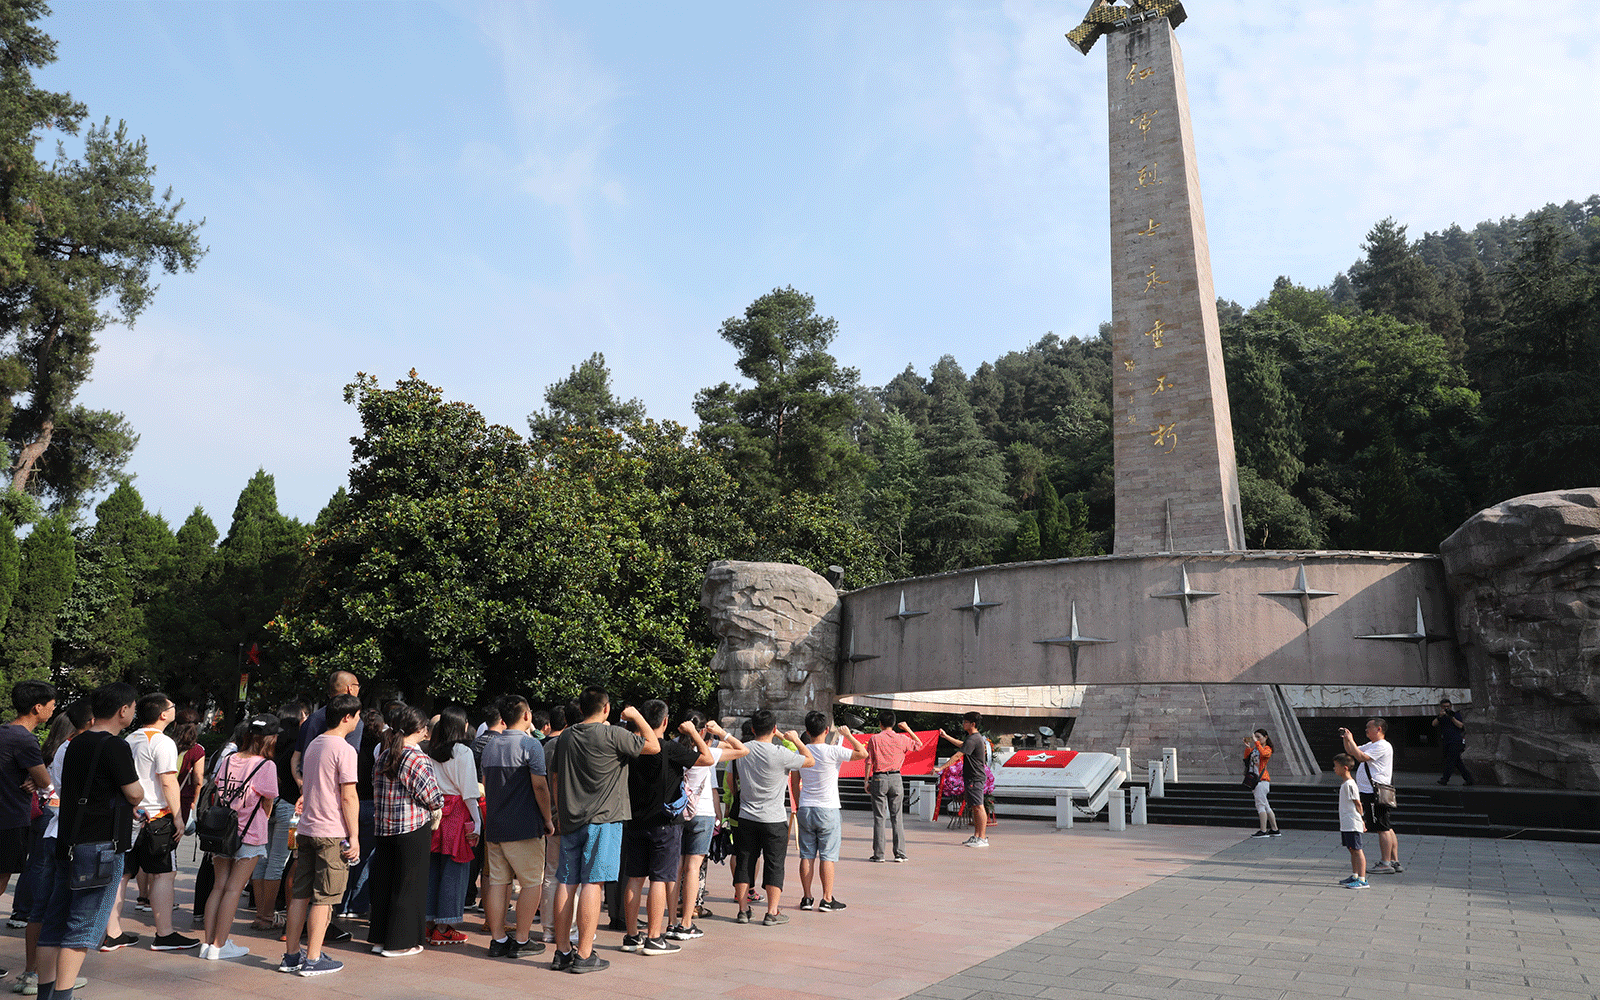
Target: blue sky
{"points": [[490, 192]]}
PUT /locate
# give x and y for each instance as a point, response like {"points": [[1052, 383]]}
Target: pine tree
{"points": [[965, 517], [893, 490], [47, 569]]}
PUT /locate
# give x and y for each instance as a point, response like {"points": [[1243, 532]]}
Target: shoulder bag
{"points": [[1381, 793]]}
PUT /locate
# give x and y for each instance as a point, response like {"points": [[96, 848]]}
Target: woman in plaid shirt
{"points": [[404, 795]]}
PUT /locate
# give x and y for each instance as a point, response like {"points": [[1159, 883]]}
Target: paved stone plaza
{"points": [[1179, 912]]}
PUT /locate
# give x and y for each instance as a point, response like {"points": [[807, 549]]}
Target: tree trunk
{"points": [[28, 457]]}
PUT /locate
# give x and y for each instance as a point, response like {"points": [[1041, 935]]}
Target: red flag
{"points": [[1041, 758], [918, 761], [254, 656]]}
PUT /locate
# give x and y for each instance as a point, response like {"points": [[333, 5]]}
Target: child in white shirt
{"points": [[1351, 825]]}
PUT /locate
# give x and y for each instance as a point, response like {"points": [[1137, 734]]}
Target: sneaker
{"points": [[971, 841], [900, 859], [322, 965], [1259, 835], [16, 923], [828, 905], [754, 896], [206, 953], [774, 919], [502, 949], [631, 942], [24, 981], [807, 903], [659, 946], [444, 934], [528, 947], [682, 933], [122, 940], [876, 859], [415, 949], [983, 842], [561, 961], [377, 949], [594, 963], [743, 917], [1349, 878], [229, 951], [1359, 883], [337, 933], [1381, 868], [172, 942], [1274, 833], [142, 904], [1394, 868], [292, 961]]}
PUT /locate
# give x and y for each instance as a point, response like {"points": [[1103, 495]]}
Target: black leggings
{"points": [[399, 879]]}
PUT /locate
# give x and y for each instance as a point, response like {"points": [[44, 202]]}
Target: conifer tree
{"points": [[48, 562], [965, 515]]}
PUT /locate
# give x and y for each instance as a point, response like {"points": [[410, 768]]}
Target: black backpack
{"points": [[216, 822]]}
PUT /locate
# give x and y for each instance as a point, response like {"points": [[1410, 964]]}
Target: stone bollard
{"points": [[1126, 757], [1136, 800], [1158, 789], [1116, 811], [1063, 812], [1169, 760]]}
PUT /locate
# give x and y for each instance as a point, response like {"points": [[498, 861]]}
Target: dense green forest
{"points": [[1435, 376]]}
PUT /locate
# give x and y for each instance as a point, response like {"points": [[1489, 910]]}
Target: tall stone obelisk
{"points": [[1177, 483]]}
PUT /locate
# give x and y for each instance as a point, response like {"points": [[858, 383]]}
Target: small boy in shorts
{"points": [[1351, 825]]}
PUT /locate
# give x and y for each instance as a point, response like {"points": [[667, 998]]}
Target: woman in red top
{"points": [[1257, 751]]}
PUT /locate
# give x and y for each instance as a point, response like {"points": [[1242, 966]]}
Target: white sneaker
{"points": [[229, 950], [549, 937], [982, 843], [210, 952]]}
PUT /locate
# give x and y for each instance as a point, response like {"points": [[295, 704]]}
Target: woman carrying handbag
{"points": [[1257, 751]]}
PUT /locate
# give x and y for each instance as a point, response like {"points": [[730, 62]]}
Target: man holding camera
{"points": [[1375, 770], [1453, 741]]}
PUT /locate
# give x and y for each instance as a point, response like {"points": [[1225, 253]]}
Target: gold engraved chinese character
{"points": [[1150, 228], [1147, 176], [1156, 333], [1165, 434], [1144, 120], [1135, 73], [1130, 364], [1152, 279], [1132, 419], [1162, 385]]}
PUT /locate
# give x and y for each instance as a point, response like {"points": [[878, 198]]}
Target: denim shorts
{"points": [[248, 851], [697, 836], [278, 839], [819, 833], [42, 872], [77, 919], [590, 854]]}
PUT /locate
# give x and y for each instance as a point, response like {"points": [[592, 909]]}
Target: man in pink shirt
{"points": [[886, 754], [327, 838]]}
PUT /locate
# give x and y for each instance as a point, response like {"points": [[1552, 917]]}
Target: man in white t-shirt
{"points": [[816, 789], [155, 758], [1375, 763]]}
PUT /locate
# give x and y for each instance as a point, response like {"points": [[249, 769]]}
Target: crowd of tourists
{"points": [[327, 815]]}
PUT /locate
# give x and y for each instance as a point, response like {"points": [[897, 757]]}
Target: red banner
{"points": [[1041, 758], [917, 761]]}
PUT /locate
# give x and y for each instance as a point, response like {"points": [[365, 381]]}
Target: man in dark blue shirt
{"points": [[1453, 741]]}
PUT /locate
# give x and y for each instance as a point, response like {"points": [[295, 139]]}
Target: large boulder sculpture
{"points": [[778, 626], [1525, 577]]}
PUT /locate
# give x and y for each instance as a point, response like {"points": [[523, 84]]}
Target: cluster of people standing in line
{"points": [[396, 816]]}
